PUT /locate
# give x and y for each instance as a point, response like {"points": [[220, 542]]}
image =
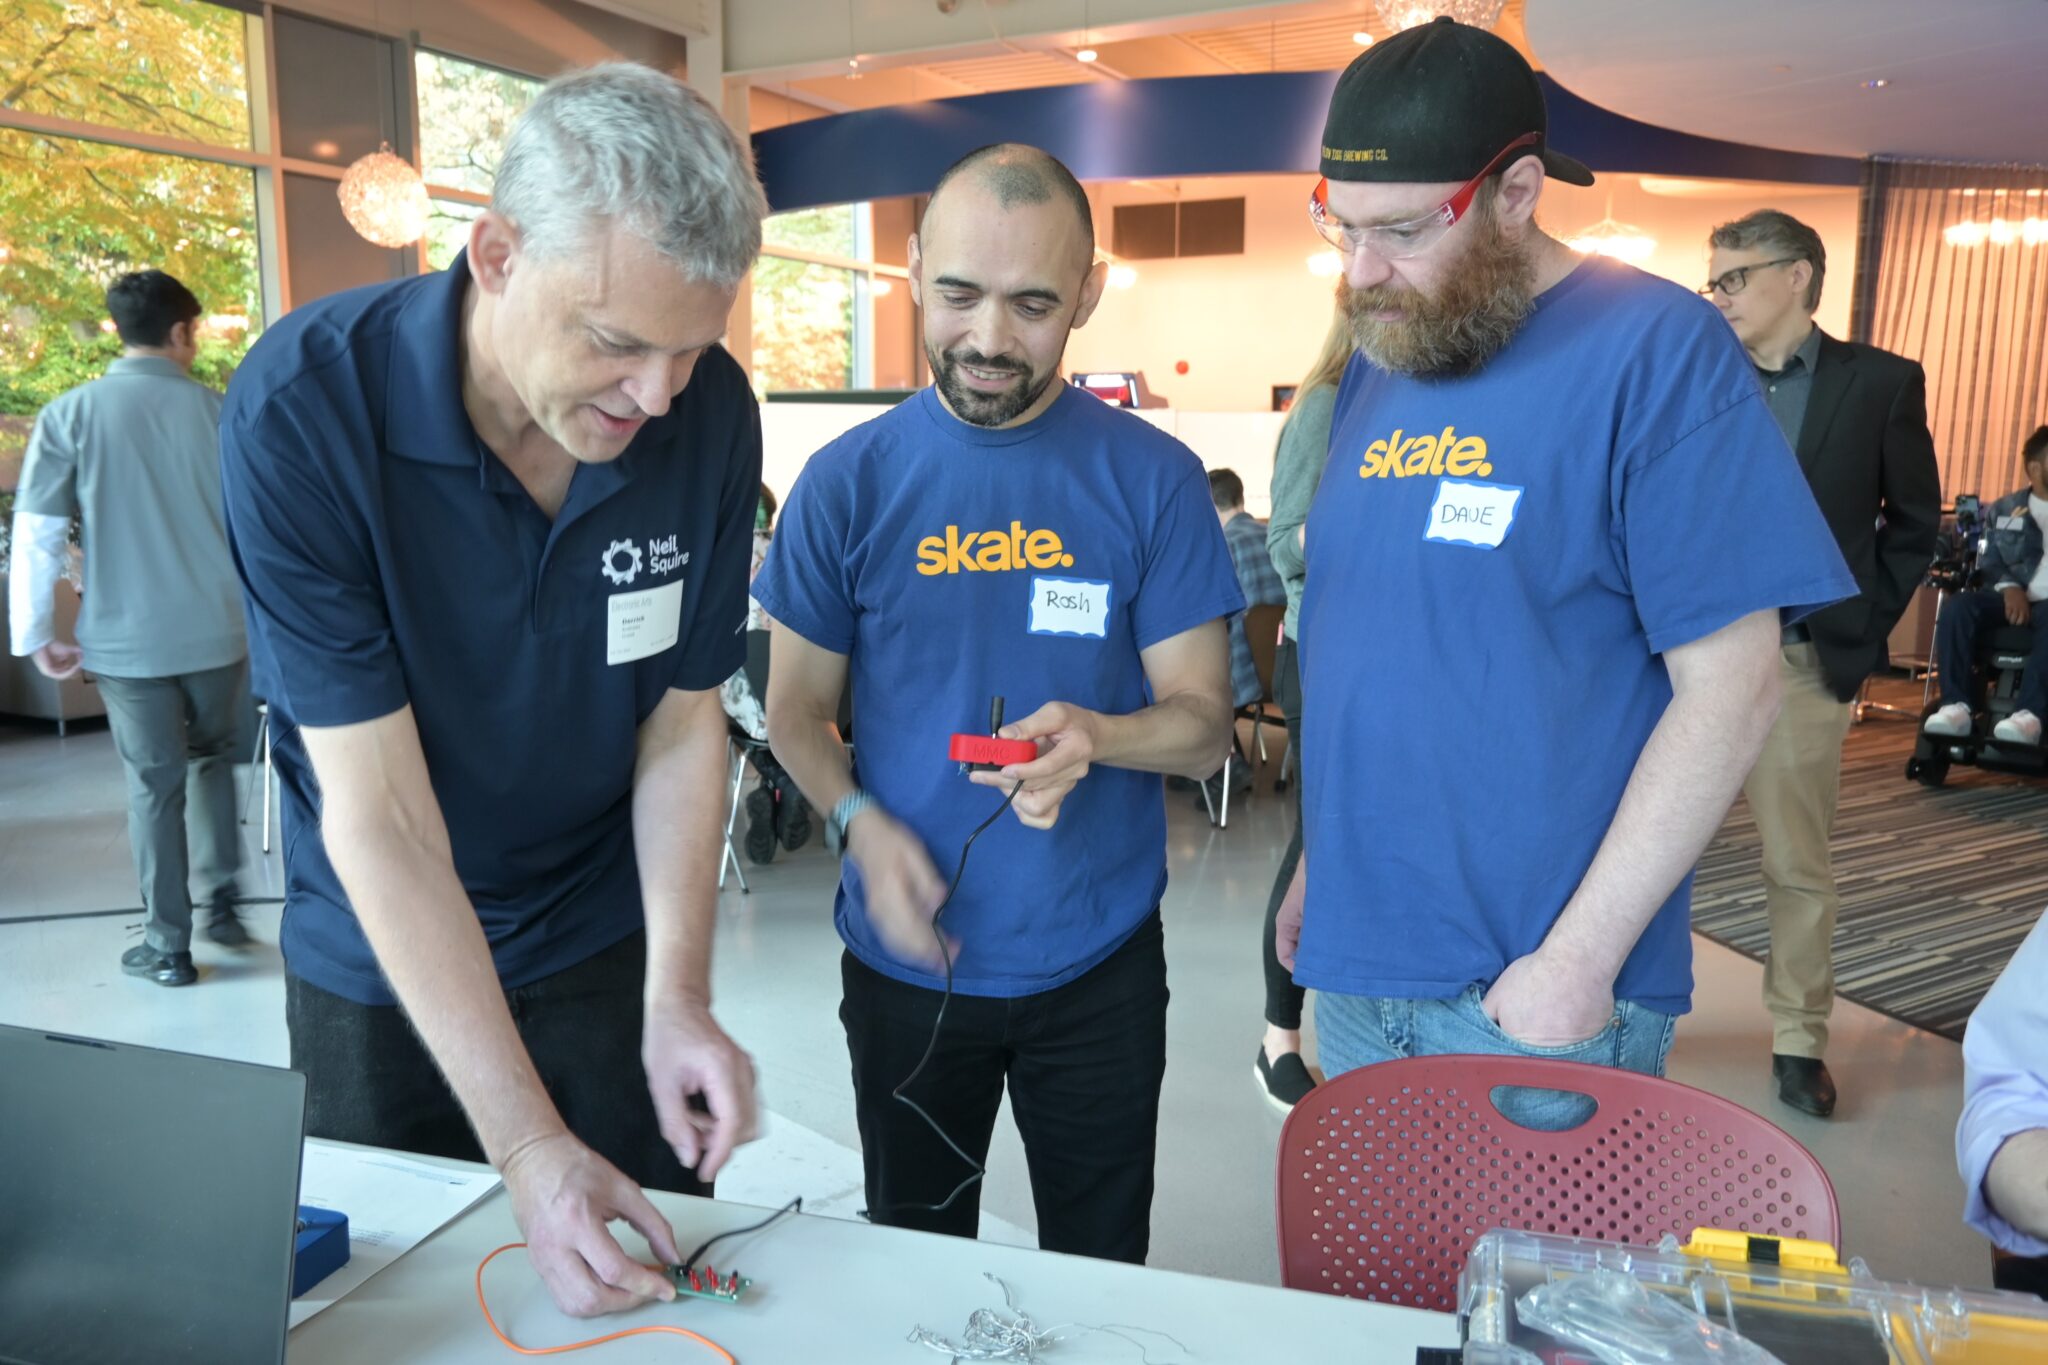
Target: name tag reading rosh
{"points": [[642, 623], [1467, 512], [1069, 606]]}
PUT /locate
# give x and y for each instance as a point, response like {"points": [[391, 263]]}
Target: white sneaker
{"points": [[2021, 727], [1952, 720]]}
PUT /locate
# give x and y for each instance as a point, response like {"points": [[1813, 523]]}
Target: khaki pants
{"points": [[1792, 793]]}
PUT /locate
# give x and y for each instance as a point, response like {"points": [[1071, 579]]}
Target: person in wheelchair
{"points": [[2014, 567]]}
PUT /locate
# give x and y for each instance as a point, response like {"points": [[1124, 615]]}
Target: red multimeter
{"points": [[986, 753]]}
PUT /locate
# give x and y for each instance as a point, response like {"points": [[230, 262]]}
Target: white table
{"points": [[833, 1292]]}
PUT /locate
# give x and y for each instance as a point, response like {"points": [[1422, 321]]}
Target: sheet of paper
{"points": [[393, 1203]]}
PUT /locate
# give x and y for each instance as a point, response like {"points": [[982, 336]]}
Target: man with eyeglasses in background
{"points": [[1857, 416], [1547, 568]]}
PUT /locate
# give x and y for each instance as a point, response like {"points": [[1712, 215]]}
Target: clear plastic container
{"points": [[1794, 1299]]}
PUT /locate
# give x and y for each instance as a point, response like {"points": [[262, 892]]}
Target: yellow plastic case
{"points": [[1793, 1298]]}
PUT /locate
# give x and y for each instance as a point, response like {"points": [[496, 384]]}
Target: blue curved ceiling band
{"points": [[1192, 125]]}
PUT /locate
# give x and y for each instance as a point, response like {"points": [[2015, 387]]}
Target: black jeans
{"points": [[1283, 997], [370, 1080], [1084, 1063]]}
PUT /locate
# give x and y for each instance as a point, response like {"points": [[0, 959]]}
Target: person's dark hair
{"points": [[145, 306], [1019, 174], [768, 503], [2035, 448], [1782, 235], [1225, 489]]}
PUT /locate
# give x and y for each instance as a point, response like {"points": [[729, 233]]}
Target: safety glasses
{"points": [[1401, 241]]}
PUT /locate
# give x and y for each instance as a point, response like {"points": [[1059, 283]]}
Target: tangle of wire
{"points": [[975, 1168], [1008, 1333]]}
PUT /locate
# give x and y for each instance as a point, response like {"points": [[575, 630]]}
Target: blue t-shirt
{"points": [[1495, 565], [953, 563], [388, 558]]}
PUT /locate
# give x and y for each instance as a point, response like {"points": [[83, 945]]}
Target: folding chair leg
{"points": [[731, 858], [1208, 801], [1229, 760], [269, 782]]}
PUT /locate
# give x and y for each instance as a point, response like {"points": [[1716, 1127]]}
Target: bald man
{"points": [[1003, 534]]}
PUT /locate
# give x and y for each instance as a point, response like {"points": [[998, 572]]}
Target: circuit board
{"points": [[704, 1282]]}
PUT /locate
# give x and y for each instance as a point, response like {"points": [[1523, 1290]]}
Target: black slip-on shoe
{"points": [[1284, 1082], [1804, 1083]]}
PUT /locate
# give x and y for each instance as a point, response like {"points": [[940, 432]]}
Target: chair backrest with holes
{"points": [[1387, 1174]]}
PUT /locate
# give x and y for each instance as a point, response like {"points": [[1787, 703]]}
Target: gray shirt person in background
{"points": [[1297, 469], [135, 456]]}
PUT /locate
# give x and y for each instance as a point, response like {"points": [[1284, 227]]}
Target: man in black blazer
{"points": [[1857, 417]]}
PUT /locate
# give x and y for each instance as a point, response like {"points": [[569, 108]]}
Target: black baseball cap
{"points": [[1436, 102]]}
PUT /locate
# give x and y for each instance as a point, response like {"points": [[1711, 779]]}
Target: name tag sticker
{"points": [[1069, 606], [641, 624], [1467, 512]]}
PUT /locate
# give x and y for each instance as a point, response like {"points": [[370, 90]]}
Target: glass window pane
{"points": [[73, 215], [325, 254], [337, 91], [465, 112], [170, 67], [448, 230], [833, 230], [803, 325]]}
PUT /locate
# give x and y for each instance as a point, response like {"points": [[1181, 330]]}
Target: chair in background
{"points": [[1262, 632], [267, 782], [743, 747], [1387, 1174]]}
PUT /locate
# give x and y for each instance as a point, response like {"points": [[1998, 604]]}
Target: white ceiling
{"points": [[1311, 36], [1966, 79]]}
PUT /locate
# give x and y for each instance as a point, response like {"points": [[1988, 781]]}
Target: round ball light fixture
{"points": [[384, 199]]}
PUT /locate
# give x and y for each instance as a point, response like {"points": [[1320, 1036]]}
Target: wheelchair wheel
{"points": [[1928, 772]]}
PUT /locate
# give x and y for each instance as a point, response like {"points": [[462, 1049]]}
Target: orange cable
{"points": [[499, 1333]]}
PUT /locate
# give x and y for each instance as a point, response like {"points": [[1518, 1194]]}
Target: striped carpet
{"points": [[1938, 886]]}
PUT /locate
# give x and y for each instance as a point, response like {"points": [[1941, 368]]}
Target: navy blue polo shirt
{"points": [[389, 559]]}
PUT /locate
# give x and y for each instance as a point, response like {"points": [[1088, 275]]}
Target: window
{"points": [[465, 112], [803, 325], [830, 310], [448, 230], [75, 214], [171, 67]]}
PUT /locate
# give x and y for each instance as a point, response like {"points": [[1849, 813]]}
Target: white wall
{"points": [[1242, 323], [1245, 323]]}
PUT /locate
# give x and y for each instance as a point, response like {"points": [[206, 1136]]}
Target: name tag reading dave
{"points": [[642, 623], [1069, 606], [1467, 512]]}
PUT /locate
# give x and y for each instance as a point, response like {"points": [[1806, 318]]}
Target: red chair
{"points": [[1387, 1174]]}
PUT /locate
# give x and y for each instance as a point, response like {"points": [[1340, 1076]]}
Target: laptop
{"points": [[148, 1202]]}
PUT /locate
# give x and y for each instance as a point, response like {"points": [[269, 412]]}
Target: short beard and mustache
{"points": [[1483, 300], [986, 409]]}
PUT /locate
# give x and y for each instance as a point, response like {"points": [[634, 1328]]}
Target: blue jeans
{"points": [[1359, 1030], [1967, 618]]}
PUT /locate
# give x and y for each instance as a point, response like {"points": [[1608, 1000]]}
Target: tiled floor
{"points": [[63, 849]]}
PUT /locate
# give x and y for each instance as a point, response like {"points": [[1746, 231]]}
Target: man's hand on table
{"points": [[563, 1195]]}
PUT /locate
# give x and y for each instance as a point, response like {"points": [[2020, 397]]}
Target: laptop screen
{"points": [[148, 1202]]}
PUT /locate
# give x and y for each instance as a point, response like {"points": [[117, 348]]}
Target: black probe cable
{"points": [[975, 1168]]}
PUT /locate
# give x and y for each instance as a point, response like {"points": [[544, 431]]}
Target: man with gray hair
{"points": [[1857, 417], [493, 528]]}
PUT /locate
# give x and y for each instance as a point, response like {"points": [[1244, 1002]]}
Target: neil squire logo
{"points": [[960, 551], [622, 559]]}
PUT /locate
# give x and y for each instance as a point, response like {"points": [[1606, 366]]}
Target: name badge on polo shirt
{"points": [[1069, 606], [642, 623], [1468, 512]]}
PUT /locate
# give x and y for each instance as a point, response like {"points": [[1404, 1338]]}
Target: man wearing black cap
{"points": [[1548, 566]]}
